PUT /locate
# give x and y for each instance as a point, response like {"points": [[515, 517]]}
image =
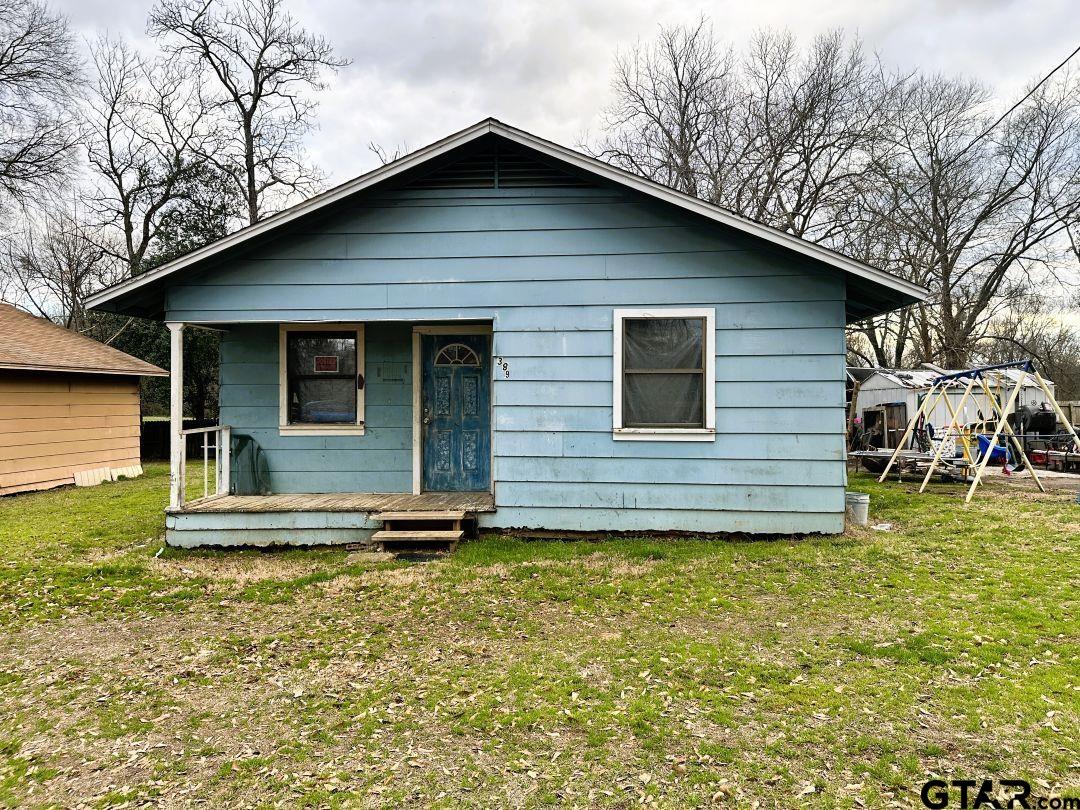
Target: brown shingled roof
{"points": [[35, 344]]}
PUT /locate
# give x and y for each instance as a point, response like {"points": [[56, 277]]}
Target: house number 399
{"points": [[503, 366]]}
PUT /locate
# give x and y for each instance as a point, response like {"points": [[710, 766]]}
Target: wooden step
{"points": [[421, 535], [417, 539], [428, 515]]}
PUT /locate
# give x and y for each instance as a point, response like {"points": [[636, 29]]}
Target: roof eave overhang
{"points": [[905, 292], [857, 311], [157, 372]]}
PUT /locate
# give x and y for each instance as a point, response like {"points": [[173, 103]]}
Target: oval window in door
{"points": [[457, 354]]}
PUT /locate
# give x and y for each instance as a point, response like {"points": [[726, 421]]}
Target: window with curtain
{"points": [[323, 379], [665, 368]]}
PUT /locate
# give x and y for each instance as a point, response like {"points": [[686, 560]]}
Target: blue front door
{"points": [[456, 412]]}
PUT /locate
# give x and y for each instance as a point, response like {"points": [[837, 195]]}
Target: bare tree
{"points": [[889, 340], [38, 75], [265, 67], [982, 217], [8, 287], [900, 172], [54, 265], [150, 128], [384, 155], [1039, 333], [806, 135], [674, 98], [778, 136]]}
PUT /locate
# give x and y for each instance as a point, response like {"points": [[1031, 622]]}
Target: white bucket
{"points": [[858, 506]]}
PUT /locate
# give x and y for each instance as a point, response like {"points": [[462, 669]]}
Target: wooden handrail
{"points": [[222, 447], [208, 429]]}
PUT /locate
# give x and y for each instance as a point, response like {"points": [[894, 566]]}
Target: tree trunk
{"points": [[249, 171]]}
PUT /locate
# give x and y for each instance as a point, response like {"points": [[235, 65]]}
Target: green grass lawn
{"points": [[825, 671]]}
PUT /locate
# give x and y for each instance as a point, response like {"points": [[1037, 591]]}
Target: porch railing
{"points": [[219, 450]]}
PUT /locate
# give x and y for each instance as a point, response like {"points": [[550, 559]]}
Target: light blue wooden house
{"points": [[500, 329]]}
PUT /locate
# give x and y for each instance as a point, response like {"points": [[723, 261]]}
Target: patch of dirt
{"points": [[1024, 482], [409, 576], [361, 557], [252, 698], [241, 570], [598, 561]]}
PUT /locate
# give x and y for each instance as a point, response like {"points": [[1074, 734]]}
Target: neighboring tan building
{"points": [[69, 406]]}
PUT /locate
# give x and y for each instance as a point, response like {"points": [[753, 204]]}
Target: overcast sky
{"points": [[424, 68]]}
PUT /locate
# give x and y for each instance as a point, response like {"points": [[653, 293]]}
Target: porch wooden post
{"points": [[224, 460], [176, 415]]}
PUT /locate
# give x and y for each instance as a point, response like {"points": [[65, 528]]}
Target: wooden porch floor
{"points": [[345, 502]]}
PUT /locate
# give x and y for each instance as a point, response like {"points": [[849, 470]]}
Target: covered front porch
{"points": [[325, 429], [324, 518]]}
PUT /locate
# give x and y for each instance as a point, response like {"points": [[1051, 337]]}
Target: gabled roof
{"points": [[34, 344], [870, 291]]}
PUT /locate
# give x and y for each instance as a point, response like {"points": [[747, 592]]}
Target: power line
{"points": [[1003, 116], [1009, 111]]}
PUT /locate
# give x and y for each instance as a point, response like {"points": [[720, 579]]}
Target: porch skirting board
{"points": [[261, 538], [308, 528], [194, 529], [303, 519]]}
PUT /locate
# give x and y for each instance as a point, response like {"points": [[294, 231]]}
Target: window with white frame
{"points": [[321, 378], [665, 373]]}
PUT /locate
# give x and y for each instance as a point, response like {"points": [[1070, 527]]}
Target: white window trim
{"points": [[311, 429], [705, 434]]}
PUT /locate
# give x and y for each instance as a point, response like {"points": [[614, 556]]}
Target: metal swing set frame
{"points": [[985, 379]]}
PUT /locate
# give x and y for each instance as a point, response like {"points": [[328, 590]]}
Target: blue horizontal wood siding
{"points": [[378, 461], [547, 267]]}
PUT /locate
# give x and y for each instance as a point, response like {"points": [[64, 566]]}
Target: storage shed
{"points": [[69, 406], [888, 397], [499, 330]]}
